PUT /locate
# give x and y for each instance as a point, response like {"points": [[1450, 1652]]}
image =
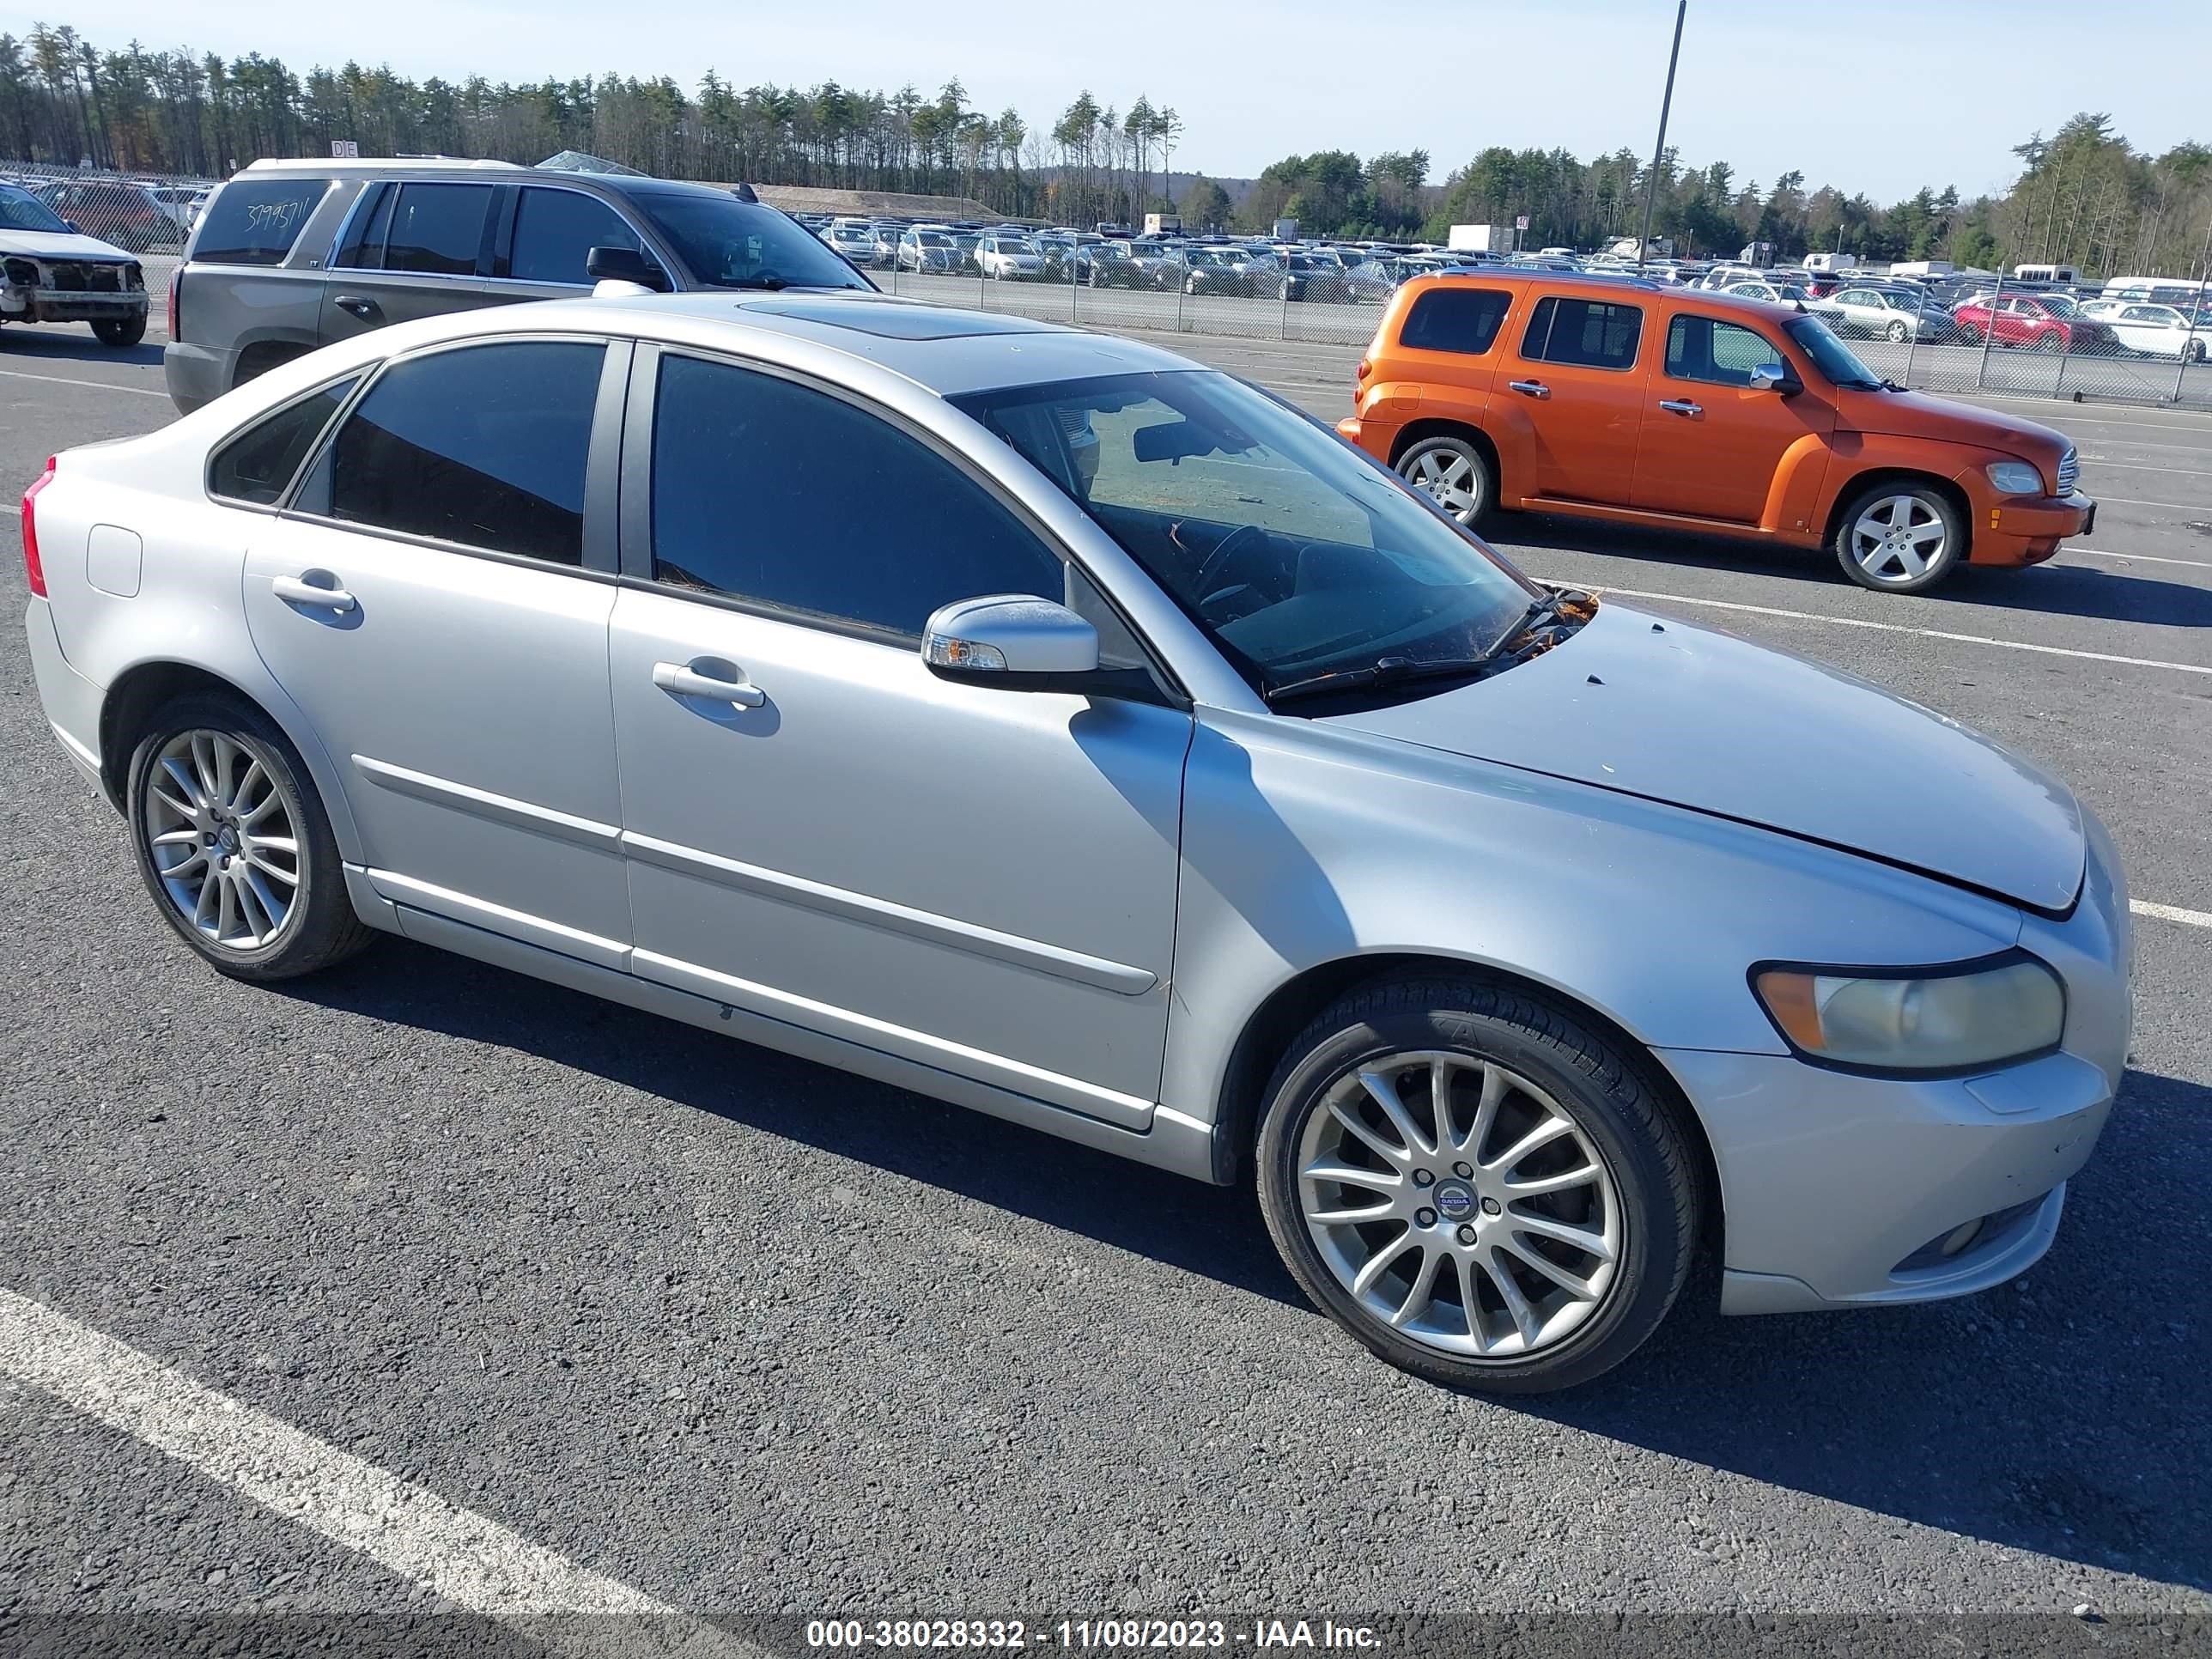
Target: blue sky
{"points": [[1933, 92]]}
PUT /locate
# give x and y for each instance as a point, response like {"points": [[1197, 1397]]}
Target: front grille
{"points": [[2070, 471], [76, 277]]}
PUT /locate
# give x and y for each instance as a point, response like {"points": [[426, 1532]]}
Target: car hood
{"points": [[1917, 415], [58, 245], [1696, 718]]}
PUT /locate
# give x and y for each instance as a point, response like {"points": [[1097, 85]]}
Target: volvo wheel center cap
{"points": [[1454, 1200]]}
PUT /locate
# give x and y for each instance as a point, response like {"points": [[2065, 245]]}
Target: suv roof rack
{"points": [[356, 164]]}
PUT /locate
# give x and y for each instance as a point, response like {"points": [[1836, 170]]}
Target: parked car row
{"points": [[135, 215]]}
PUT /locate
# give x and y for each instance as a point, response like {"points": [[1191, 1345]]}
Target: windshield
{"points": [[21, 210], [1831, 355], [726, 243], [1298, 555]]}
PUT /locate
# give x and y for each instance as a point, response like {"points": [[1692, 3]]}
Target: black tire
{"points": [[1969, 335], [1481, 479], [120, 331], [2050, 339], [320, 929], [1607, 1095], [1951, 555]]}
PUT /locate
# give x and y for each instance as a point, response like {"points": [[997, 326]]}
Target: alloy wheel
{"points": [[221, 839], [1449, 477], [1458, 1204], [1896, 539]]}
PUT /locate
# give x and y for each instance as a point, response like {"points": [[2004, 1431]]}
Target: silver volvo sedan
{"points": [[1047, 723]]}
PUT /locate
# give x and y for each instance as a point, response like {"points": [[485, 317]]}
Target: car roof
{"points": [[1595, 286], [941, 348]]}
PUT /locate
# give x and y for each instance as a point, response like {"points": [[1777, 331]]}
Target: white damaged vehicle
{"points": [[51, 272]]}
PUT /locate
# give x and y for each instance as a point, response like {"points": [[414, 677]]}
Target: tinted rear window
{"points": [[258, 464], [437, 229], [484, 447], [254, 221], [1454, 319], [1591, 333]]}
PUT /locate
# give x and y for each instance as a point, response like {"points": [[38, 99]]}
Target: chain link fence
{"points": [[2029, 340], [2146, 343], [2001, 337], [1229, 292]]}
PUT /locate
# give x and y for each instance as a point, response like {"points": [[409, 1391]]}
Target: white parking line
{"points": [[463, 1557], [2137, 558], [1887, 628], [2172, 912], [97, 386], [2144, 466], [2180, 506]]}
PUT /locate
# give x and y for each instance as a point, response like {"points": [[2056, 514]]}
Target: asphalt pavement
{"points": [[743, 1336]]}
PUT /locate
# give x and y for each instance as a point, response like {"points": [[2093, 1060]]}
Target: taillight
{"points": [[176, 293], [1364, 370], [31, 568]]}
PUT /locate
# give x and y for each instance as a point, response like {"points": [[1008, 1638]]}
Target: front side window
{"points": [[1720, 353], [258, 464], [726, 243], [1296, 554], [484, 447], [437, 229], [555, 232], [773, 493], [1462, 319], [1586, 333]]}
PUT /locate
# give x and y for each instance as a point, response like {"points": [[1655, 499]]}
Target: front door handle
{"points": [[358, 304], [298, 590], [685, 681], [1680, 406], [1531, 388]]}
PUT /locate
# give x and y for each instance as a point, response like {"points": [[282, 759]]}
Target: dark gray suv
{"points": [[293, 255]]}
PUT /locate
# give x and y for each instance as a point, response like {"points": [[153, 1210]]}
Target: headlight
{"points": [[2014, 478], [1928, 1020]]}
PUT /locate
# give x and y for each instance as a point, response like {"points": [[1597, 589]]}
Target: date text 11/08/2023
{"points": [[1090, 1634]]}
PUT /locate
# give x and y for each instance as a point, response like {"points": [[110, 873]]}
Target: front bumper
{"points": [[22, 304], [2017, 529], [1834, 1186], [1838, 1190]]}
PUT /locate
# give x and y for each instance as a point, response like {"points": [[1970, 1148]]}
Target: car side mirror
{"points": [[74, 226], [625, 264], [1015, 640], [1772, 377]]}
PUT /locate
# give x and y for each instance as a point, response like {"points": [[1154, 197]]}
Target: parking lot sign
{"points": [[1521, 221], [345, 149]]}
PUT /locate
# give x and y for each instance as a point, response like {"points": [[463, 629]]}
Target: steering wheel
{"points": [[1217, 563]]}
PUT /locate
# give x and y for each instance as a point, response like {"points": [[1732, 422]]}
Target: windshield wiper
{"points": [[1551, 607], [1384, 671], [767, 280]]}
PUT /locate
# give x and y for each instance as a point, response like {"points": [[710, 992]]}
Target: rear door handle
{"points": [[297, 590], [1680, 406], [1531, 388], [685, 681], [362, 308]]}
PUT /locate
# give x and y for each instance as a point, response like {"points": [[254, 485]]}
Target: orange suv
{"points": [[1619, 399]]}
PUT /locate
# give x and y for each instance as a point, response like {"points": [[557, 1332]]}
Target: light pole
{"points": [[1667, 103]]}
